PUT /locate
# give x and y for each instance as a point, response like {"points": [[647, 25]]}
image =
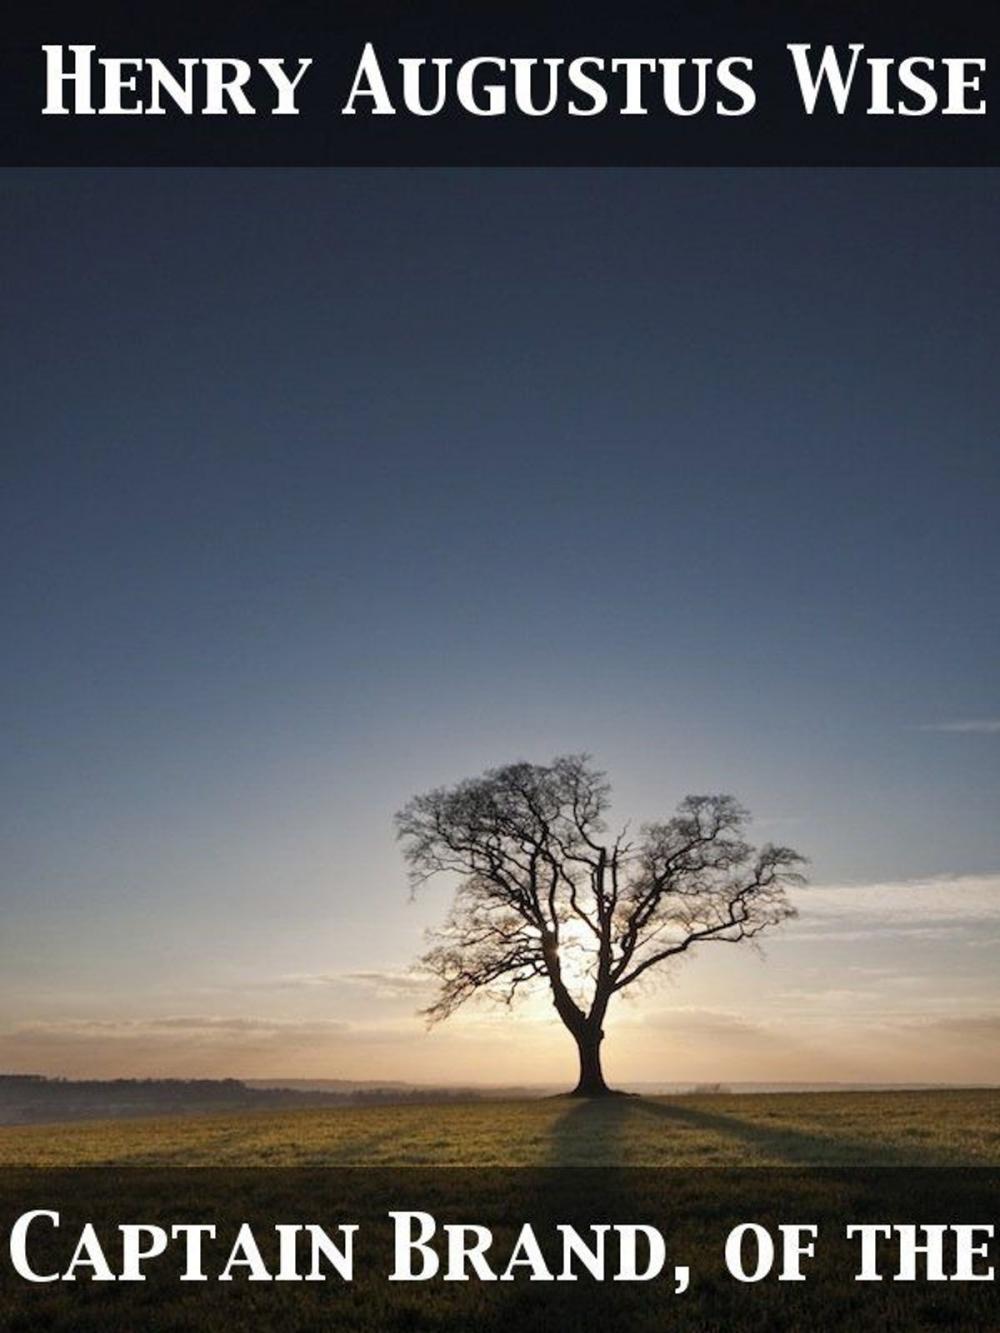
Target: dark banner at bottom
{"points": [[515, 1249]]}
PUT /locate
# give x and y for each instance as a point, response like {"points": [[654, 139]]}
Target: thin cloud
{"points": [[384, 983], [984, 726], [392, 985], [293, 981], [939, 905], [975, 1027], [183, 1028], [704, 1024]]}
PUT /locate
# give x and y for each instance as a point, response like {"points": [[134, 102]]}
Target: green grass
{"points": [[834, 1129], [695, 1205]]}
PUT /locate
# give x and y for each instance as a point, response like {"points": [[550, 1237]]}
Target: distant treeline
{"points": [[35, 1099]]}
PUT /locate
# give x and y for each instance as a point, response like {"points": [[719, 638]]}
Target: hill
{"points": [[27, 1099]]}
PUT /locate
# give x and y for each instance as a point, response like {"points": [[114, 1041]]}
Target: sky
{"points": [[323, 488]]}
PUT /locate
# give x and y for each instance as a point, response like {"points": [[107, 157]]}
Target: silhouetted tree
{"points": [[544, 896]]}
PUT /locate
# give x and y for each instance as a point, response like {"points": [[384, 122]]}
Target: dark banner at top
{"points": [[548, 84]]}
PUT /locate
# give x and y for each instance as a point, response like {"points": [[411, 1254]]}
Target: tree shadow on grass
{"points": [[590, 1132], [595, 1133], [738, 1164], [779, 1144]]}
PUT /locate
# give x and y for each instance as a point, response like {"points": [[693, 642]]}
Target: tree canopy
{"points": [[546, 895]]}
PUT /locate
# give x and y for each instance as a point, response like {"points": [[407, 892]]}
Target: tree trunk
{"points": [[591, 1082]]}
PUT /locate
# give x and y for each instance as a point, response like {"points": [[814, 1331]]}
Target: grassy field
{"points": [[787, 1157], [939, 1128]]}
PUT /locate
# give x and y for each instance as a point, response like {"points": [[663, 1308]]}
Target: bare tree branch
{"points": [[527, 845]]}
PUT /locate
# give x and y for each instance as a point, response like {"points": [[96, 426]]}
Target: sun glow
{"points": [[577, 957]]}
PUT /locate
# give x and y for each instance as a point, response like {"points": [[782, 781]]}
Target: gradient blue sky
{"points": [[324, 487]]}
